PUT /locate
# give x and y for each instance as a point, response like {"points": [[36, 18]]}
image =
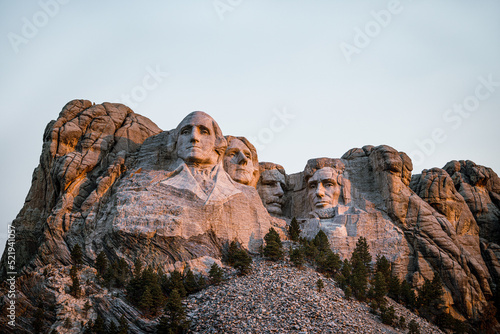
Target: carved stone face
{"points": [[271, 190], [238, 162], [196, 140], [323, 189]]}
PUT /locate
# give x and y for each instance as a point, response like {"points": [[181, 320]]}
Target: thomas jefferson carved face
{"points": [[271, 190], [323, 189], [238, 162], [196, 140]]}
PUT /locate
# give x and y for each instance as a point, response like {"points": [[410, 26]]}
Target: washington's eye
{"points": [[329, 184], [204, 131], [248, 156]]}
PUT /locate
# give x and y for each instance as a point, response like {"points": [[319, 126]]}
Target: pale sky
{"points": [[300, 79]]}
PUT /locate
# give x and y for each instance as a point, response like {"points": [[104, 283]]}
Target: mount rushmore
{"points": [[110, 180]]}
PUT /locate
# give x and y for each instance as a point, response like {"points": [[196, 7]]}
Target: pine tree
{"points": [[379, 288], [362, 252], [99, 326], [294, 230], [320, 285], [146, 300], [38, 321], [123, 327], [190, 282], [215, 274], [344, 276], [407, 295], [174, 320], [321, 242], [430, 298], [200, 279], [297, 257], [232, 249], [112, 328], [101, 263], [382, 265], [329, 263], [174, 282], [137, 268], [242, 262], [413, 327], [394, 288], [274, 247], [360, 262], [77, 255], [74, 289], [388, 315]]}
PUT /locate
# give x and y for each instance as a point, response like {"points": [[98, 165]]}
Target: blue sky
{"points": [[301, 79]]}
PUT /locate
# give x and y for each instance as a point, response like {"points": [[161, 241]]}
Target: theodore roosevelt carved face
{"points": [[271, 187]]}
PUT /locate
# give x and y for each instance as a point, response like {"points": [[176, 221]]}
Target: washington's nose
{"points": [[195, 135]]}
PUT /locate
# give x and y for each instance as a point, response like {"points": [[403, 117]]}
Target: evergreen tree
{"points": [[362, 253], [347, 292], [200, 279], [123, 327], [190, 282], [117, 274], [74, 289], [297, 257], [232, 249], [38, 321], [137, 268], [174, 320], [382, 265], [215, 274], [320, 285], [242, 262], [112, 328], [321, 242], [407, 295], [274, 247], [402, 322], [77, 255], [379, 288], [294, 230], [430, 298], [101, 263], [99, 326], [146, 300], [344, 276], [394, 288], [310, 250], [388, 315], [329, 263], [360, 262], [174, 282], [413, 327]]}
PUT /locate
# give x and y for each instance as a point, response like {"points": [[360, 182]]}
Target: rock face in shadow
{"points": [[110, 180]]}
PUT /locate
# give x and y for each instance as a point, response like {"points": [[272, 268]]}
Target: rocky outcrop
{"points": [[110, 180]]}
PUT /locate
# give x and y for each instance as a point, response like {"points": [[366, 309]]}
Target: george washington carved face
{"points": [[197, 139]]}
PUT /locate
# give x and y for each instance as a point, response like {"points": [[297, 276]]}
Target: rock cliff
{"points": [[110, 180]]}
